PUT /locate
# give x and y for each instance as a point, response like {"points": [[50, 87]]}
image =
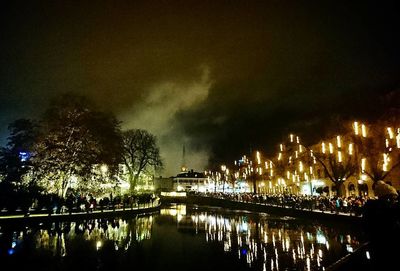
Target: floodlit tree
{"points": [[338, 159], [378, 146], [75, 141], [292, 165], [141, 155], [255, 169], [14, 158], [250, 169]]}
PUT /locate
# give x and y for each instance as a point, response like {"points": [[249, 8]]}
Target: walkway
{"points": [[273, 209], [304, 209], [141, 208]]}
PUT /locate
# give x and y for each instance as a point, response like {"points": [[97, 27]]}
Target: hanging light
{"points": [[258, 158], [390, 132], [355, 126], [301, 166], [363, 162], [339, 143], [363, 130], [330, 148]]}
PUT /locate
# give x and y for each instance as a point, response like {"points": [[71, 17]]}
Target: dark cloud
{"points": [[218, 76]]}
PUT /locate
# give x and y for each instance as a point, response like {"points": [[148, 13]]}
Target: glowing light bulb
{"points": [[363, 130], [390, 132], [355, 126], [363, 162]]}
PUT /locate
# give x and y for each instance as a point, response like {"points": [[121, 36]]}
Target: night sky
{"points": [[220, 77]]}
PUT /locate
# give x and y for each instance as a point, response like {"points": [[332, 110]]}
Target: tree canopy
{"points": [[14, 158], [75, 140]]}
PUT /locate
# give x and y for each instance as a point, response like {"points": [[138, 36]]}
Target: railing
{"points": [[63, 210]]}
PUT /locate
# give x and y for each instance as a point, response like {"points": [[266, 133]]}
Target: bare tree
{"points": [[378, 147], [14, 159], [338, 159], [141, 154]]}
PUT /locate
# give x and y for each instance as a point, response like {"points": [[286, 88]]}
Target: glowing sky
{"points": [[218, 76]]}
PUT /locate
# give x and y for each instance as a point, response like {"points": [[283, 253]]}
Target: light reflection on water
{"points": [[258, 241], [121, 232], [269, 242]]}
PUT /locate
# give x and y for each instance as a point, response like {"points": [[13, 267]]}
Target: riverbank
{"points": [[270, 209], [45, 217]]}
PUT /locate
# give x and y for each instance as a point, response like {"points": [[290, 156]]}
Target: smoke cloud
{"points": [[157, 113], [269, 68]]}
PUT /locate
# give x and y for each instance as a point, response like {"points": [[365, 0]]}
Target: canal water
{"points": [[179, 237]]}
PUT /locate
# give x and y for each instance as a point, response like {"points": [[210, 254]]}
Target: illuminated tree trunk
{"points": [[64, 185], [132, 183]]}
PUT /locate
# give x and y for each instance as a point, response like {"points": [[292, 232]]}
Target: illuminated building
{"points": [[190, 181]]}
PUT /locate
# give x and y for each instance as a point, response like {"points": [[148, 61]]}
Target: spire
{"points": [[183, 168]]}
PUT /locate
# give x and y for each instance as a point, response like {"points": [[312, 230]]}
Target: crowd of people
{"points": [[83, 203], [89, 203], [351, 204]]}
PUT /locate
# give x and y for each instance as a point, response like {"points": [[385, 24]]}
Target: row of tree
{"points": [[366, 151], [75, 142]]}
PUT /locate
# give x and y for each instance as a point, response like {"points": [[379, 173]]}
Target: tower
{"points": [[183, 167]]}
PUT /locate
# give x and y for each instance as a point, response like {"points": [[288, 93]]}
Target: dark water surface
{"points": [[178, 238]]}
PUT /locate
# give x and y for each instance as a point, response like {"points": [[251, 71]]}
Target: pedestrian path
{"points": [[308, 210], [326, 212], [142, 207]]}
